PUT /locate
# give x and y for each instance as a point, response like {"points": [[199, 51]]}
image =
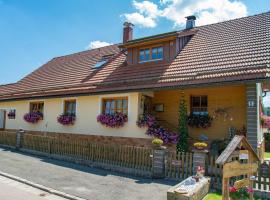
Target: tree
{"points": [[182, 144]]}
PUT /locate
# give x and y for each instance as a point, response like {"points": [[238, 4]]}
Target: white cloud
{"points": [[146, 14], [139, 19], [146, 7], [207, 11], [97, 44]]}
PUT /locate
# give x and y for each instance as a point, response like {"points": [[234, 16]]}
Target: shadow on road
{"points": [[92, 170]]}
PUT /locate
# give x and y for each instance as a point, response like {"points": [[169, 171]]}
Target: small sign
{"points": [[159, 107], [237, 169], [265, 170], [243, 154], [242, 183]]}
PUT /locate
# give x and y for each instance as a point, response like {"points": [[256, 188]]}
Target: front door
{"points": [[2, 118]]}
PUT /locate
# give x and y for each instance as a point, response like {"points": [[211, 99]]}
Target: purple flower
{"points": [[65, 119], [33, 117], [154, 129], [112, 120]]}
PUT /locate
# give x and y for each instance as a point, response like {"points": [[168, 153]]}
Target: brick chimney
{"points": [[190, 22], [127, 32]]}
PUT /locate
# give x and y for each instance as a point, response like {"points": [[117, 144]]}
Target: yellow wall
{"points": [[232, 97], [88, 108]]}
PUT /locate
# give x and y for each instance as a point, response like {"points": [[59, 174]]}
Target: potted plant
{"points": [[200, 145], [157, 142], [199, 173]]}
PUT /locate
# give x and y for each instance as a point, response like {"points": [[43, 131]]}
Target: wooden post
{"points": [[225, 189], [19, 137]]}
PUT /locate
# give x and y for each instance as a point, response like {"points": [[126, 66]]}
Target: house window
{"points": [[199, 104], [115, 105], [70, 107], [144, 55], [157, 53], [151, 54], [37, 107]]}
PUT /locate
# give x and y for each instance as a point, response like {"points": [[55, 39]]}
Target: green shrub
{"points": [[267, 137]]}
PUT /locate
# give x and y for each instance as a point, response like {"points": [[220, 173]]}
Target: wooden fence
{"points": [[124, 156], [262, 183], [214, 171], [178, 165], [8, 138]]}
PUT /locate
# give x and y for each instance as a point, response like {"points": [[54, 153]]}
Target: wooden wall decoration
{"points": [[238, 159]]}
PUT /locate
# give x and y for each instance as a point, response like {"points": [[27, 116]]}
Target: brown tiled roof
{"points": [[235, 50]]}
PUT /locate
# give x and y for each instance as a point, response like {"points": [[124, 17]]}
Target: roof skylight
{"points": [[102, 61], [99, 64]]}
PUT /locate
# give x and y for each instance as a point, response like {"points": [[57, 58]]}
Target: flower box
{"points": [[33, 117], [11, 114], [112, 120], [199, 121], [66, 119]]}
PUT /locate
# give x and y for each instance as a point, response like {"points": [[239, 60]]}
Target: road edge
{"points": [[41, 187]]}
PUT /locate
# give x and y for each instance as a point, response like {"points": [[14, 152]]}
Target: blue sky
{"points": [[34, 31]]}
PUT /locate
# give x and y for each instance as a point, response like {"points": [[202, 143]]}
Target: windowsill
{"points": [[153, 60]]}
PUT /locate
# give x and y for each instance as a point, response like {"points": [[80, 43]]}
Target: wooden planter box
{"points": [[195, 191]]}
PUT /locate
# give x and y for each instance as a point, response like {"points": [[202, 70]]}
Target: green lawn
{"points": [[213, 196], [217, 196], [266, 155]]}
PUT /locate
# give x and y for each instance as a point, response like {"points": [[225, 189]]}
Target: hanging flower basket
{"points": [[112, 120], [156, 130], [33, 117], [199, 121], [66, 119]]}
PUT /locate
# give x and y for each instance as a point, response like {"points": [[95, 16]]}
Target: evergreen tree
{"points": [[182, 145]]}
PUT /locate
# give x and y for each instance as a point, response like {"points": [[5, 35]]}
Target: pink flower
{"points": [[232, 189], [250, 190]]}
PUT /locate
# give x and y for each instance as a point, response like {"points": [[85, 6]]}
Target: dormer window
{"points": [[151, 54], [157, 53], [144, 55]]}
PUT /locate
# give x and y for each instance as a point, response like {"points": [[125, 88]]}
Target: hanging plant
{"points": [[112, 120], [199, 121], [156, 130], [66, 119], [33, 117]]}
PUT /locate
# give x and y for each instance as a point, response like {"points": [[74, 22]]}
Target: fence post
{"points": [[159, 162], [19, 138], [199, 159]]}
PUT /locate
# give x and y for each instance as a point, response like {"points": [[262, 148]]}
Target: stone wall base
{"points": [[100, 139]]}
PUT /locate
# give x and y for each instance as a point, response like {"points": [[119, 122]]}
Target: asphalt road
{"points": [[84, 182], [13, 190]]}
